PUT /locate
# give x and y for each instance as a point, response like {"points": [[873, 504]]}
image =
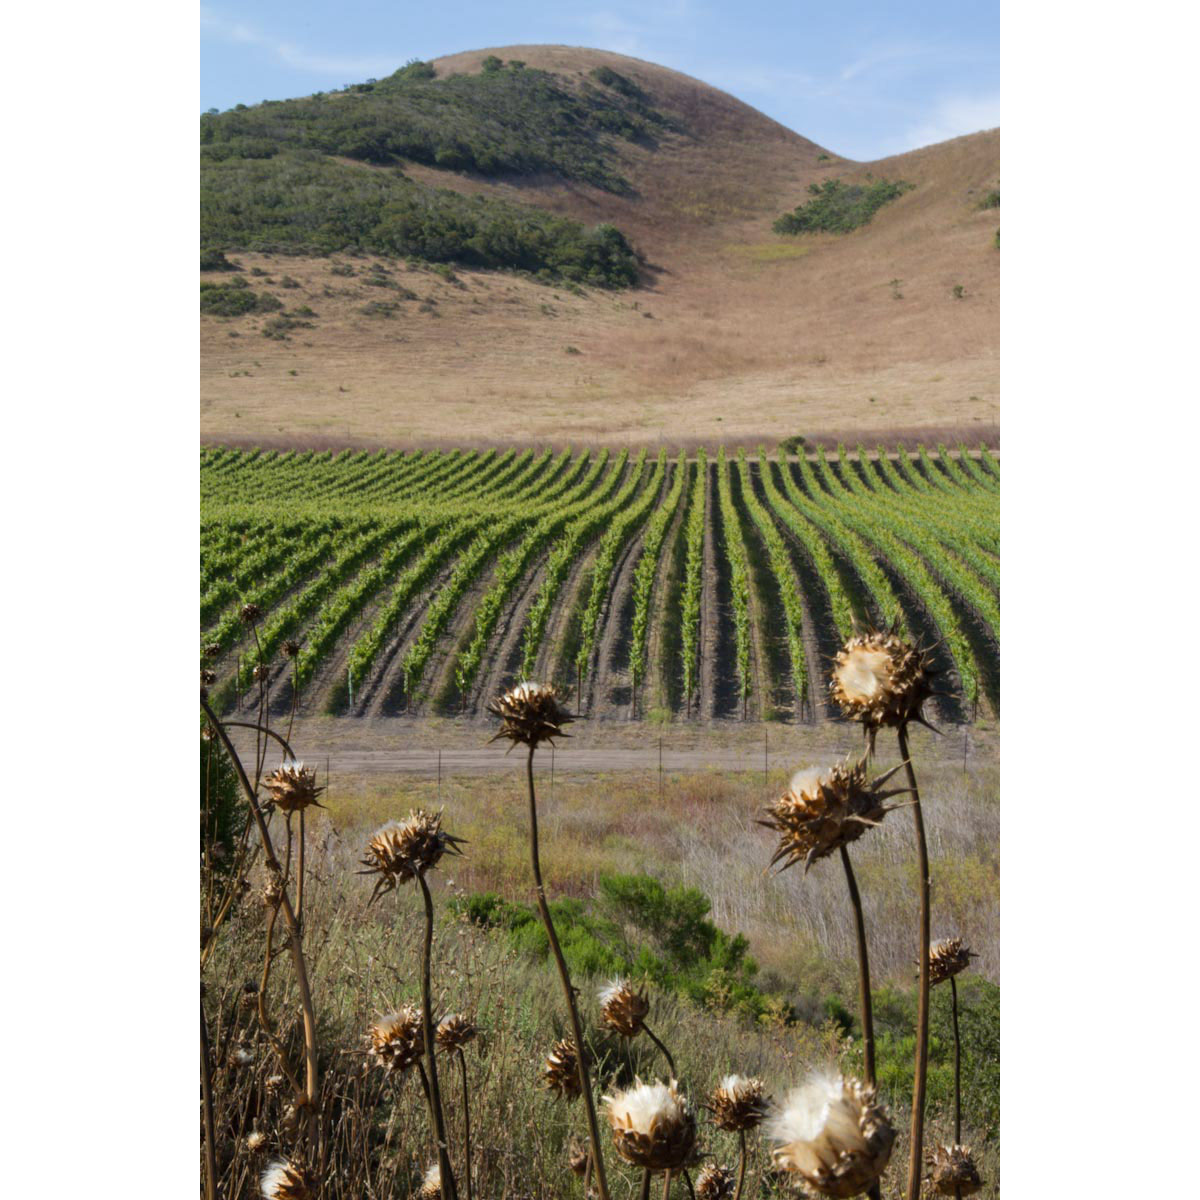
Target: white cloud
{"points": [[951, 117], [289, 53]]}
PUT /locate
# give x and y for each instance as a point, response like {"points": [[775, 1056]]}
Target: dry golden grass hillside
{"points": [[736, 333]]}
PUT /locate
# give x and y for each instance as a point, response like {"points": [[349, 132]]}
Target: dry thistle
{"points": [[293, 786], [880, 679], [256, 1141], [283, 1180], [212, 650], [737, 1103], [396, 1040], [530, 714], [431, 1185], [579, 1158], [833, 1135], [262, 672], [946, 958], [953, 1171], [207, 677], [454, 1031], [622, 1008], [715, 1183], [823, 811], [400, 851], [291, 647], [561, 1070], [250, 613], [653, 1126]]}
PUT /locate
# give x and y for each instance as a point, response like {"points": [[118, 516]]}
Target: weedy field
{"points": [[662, 880]]}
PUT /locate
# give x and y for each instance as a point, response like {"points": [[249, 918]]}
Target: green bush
{"points": [[214, 260], [991, 200], [515, 121], [839, 207], [300, 203], [637, 927], [235, 299], [895, 1015]]}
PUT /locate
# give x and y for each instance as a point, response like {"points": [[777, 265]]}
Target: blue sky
{"points": [[863, 79]]}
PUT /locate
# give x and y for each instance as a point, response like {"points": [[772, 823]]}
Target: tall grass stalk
{"points": [[568, 992], [449, 1190], [922, 1052], [309, 1094], [864, 987]]}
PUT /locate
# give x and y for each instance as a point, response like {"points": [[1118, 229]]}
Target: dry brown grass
{"points": [[750, 335]]}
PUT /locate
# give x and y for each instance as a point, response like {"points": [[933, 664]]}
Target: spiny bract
{"points": [[824, 810], [833, 1135], [653, 1126], [880, 679], [402, 850], [953, 1171], [530, 713], [946, 958], [623, 1008]]}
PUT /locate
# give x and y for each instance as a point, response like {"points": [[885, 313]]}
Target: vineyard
{"points": [[647, 586]]}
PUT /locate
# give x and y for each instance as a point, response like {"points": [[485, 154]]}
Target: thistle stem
{"points": [[646, 1185], [462, 1062], [298, 964], [737, 1195], [568, 991], [922, 1053], [666, 1184], [864, 972], [957, 1064], [210, 1137], [435, 1094], [665, 1051]]}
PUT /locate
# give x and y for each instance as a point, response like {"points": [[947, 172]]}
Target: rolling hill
{"points": [[731, 333]]}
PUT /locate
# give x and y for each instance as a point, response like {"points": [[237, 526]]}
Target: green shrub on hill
{"points": [[504, 121], [302, 202], [235, 299], [839, 207]]}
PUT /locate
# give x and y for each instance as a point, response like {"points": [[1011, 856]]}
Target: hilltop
{"points": [[611, 170]]}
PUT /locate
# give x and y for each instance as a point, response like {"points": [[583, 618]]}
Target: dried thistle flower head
{"points": [[256, 1141], [431, 1185], [402, 850], [824, 810], [623, 1008], [737, 1102], [291, 647], [293, 786], [715, 1183], [207, 677], [283, 1180], [250, 613], [530, 713], [454, 1031], [833, 1135], [212, 650], [579, 1157], [880, 679], [262, 672], [948, 957], [560, 1072], [397, 1039], [952, 1171], [653, 1126]]}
